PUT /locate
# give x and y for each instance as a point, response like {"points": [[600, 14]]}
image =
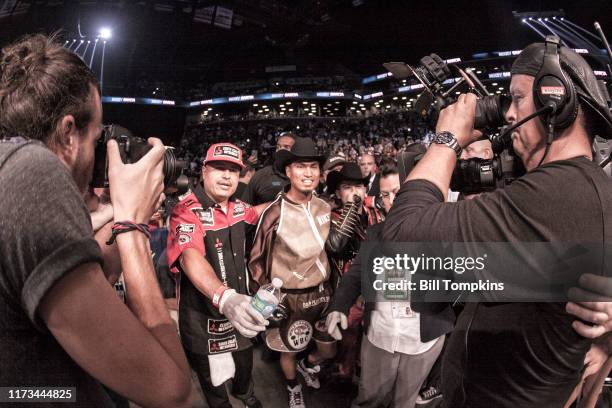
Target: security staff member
{"points": [[267, 182], [206, 245]]}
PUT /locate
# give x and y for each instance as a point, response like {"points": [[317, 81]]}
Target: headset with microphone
{"points": [[554, 96]]}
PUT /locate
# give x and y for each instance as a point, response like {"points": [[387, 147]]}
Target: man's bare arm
{"points": [[137, 354], [592, 303], [110, 253]]}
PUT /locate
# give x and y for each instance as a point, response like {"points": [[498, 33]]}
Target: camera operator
{"points": [[63, 324], [520, 354]]}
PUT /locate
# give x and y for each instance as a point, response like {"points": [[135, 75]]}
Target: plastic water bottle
{"points": [[267, 298]]}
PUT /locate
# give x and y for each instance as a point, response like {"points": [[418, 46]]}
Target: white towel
{"points": [[222, 368]]}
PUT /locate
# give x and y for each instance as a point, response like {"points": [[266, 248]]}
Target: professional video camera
{"points": [[131, 149], [473, 175], [433, 73]]}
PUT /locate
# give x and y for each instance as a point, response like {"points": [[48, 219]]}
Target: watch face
{"points": [[443, 138]]}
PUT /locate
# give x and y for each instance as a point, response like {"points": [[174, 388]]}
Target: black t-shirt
{"points": [[45, 233], [517, 354], [264, 186]]}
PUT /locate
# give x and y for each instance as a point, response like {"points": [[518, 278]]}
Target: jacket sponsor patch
{"points": [[216, 326], [222, 345], [186, 228], [205, 216], [238, 210], [183, 239]]}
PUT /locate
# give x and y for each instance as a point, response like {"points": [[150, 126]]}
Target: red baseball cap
{"points": [[226, 152]]}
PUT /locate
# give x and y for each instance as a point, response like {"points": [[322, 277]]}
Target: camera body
{"points": [[474, 175], [131, 149], [433, 72], [477, 175]]}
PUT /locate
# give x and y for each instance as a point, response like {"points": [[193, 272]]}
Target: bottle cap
{"points": [[277, 283]]}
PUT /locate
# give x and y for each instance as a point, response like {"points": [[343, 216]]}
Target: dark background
{"points": [[158, 41]]}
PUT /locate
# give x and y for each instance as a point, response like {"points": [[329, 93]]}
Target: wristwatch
{"points": [[448, 139]]}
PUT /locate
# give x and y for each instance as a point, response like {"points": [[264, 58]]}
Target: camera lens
{"points": [[173, 167], [490, 111]]}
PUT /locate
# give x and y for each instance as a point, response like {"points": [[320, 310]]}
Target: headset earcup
{"points": [[552, 84], [551, 88], [567, 115]]}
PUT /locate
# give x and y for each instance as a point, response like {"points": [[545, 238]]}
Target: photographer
{"points": [[63, 324], [517, 354]]}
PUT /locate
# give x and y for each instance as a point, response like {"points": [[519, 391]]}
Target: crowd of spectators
{"points": [[383, 135], [201, 88]]}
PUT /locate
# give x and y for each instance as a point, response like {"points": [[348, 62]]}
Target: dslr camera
{"points": [[472, 175], [131, 149]]}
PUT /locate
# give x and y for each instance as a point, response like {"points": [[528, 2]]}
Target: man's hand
{"points": [[238, 310], [458, 119], [101, 216], [136, 188], [332, 321], [592, 302]]}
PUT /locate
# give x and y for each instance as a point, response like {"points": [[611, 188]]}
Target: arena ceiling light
{"points": [[105, 33]]}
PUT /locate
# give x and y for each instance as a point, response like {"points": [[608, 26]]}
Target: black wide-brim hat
{"points": [[350, 172], [303, 149]]}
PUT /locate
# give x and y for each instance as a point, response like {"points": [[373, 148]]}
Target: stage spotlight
{"points": [[88, 42], [523, 20], [82, 41], [105, 33]]}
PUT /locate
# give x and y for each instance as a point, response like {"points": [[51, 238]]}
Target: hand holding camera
{"points": [[458, 119], [136, 188]]}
